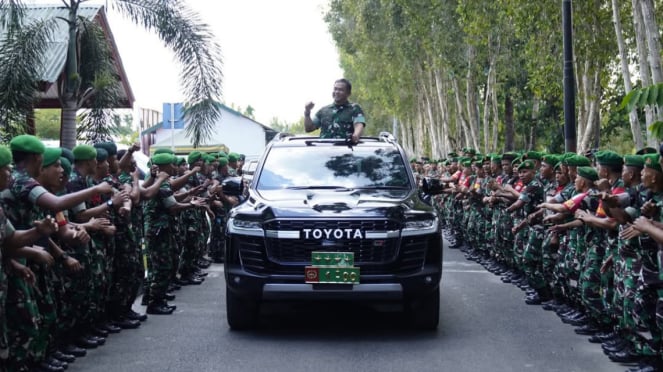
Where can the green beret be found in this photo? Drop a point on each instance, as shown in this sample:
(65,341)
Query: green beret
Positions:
(634,161)
(162,159)
(5,156)
(527,164)
(66,165)
(163,150)
(452,155)
(413,160)
(516,161)
(577,161)
(102,154)
(51,155)
(509,156)
(181,160)
(194,156)
(208,158)
(652,162)
(646,150)
(470,151)
(551,160)
(84,152)
(223,162)
(588,172)
(111,147)
(533,155)
(66,153)
(27,143)
(466,163)
(496,158)
(609,158)
(232,157)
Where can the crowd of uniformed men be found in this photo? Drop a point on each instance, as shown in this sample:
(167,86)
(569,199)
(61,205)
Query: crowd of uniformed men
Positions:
(76,227)
(581,234)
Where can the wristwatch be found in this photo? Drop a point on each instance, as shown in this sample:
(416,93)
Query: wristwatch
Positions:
(109,203)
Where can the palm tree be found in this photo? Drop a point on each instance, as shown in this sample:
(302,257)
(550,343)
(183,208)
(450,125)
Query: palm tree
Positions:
(89,79)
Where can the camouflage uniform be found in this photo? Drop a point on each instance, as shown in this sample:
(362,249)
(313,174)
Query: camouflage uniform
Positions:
(6,229)
(532,265)
(31,312)
(337,121)
(159,239)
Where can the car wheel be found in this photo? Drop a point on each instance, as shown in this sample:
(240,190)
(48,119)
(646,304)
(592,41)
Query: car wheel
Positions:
(241,313)
(424,312)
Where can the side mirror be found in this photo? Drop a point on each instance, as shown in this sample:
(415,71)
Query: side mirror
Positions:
(431,186)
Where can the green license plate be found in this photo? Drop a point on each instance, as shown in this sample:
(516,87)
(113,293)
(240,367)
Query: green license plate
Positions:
(332,275)
(344,259)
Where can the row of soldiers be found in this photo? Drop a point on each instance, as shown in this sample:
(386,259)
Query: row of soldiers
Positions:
(73,224)
(582,235)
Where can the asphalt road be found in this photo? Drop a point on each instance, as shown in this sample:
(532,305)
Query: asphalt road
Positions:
(485,326)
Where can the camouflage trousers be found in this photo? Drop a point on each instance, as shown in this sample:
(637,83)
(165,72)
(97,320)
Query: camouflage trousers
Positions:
(159,248)
(590,286)
(533,258)
(217,244)
(24,323)
(190,252)
(519,242)
(128,270)
(99,289)
(560,282)
(78,288)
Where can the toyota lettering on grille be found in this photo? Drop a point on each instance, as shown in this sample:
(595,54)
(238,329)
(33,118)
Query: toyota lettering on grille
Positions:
(332,234)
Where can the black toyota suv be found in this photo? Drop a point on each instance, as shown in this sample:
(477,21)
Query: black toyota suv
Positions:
(328,220)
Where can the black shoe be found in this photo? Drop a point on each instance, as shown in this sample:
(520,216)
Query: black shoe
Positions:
(191,281)
(621,346)
(626,356)
(57,363)
(110,327)
(169,297)
(174,287)
(135,316)
(85,343)
(125,323)
(587,330)
(159,310)
(59,355)
(534,300)
(99,340)
(74,350)
(98,331)
(581,321)
(600,338)
(46,367)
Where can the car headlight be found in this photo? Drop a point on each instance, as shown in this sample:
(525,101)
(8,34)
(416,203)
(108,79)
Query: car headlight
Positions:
(246,224)
(420,226)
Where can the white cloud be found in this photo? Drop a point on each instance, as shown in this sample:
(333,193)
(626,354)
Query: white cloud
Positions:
(277,55)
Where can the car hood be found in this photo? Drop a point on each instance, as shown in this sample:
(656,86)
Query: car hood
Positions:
(333,204)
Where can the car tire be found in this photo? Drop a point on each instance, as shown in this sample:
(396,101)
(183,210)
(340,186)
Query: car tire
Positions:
(241,313)
(424,313)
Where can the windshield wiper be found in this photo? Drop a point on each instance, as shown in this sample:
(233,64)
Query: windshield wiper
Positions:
(340,188)
(382,188)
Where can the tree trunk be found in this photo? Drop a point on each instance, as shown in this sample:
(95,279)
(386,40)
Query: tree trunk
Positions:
(531,143)
(486,108)
(68,125)
(592,102)
(645,77)
(471,99)
(508,124)
(653,40)
(30,122)
(496,117)
(636,132)
(444,111)
(464,128)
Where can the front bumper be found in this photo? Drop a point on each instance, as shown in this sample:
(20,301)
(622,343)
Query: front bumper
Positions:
(293,288)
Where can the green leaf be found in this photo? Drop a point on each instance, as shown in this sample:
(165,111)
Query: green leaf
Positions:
(656,130)
(642,100)
(630,100)
(653,94)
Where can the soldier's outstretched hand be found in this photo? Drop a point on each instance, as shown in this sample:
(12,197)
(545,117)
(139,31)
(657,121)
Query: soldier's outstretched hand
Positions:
(47,226)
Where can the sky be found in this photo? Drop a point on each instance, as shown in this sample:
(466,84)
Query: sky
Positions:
(277,55)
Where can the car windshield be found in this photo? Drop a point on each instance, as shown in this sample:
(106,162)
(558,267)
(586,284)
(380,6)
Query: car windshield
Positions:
(339,167)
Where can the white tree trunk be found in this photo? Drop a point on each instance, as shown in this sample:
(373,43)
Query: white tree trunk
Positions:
(592,101)
(470,99)
(643,61)
(626,75)
(460,117)
(68,124)
(440,89)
